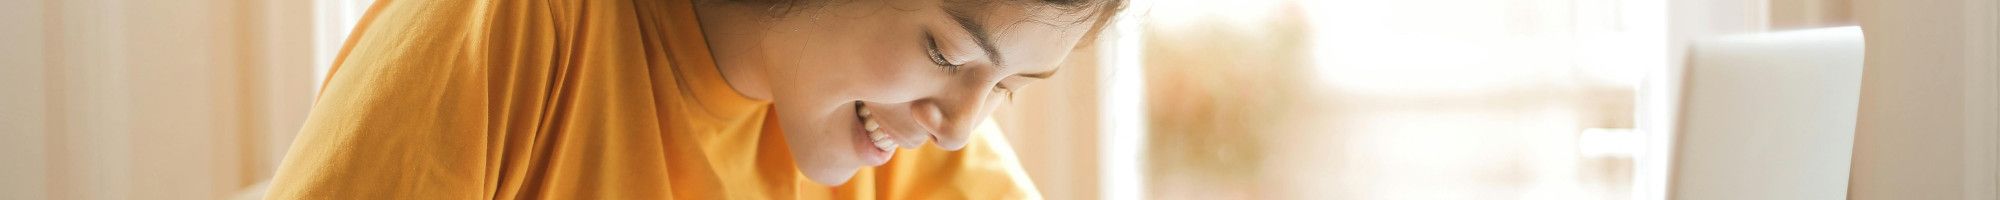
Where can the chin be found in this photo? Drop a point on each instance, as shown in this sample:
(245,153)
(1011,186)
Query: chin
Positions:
(829,177)
(824,165)
(829,148)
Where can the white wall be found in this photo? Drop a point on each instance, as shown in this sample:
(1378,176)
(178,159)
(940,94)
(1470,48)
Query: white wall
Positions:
(21,125)
(1927,120)
(141,99)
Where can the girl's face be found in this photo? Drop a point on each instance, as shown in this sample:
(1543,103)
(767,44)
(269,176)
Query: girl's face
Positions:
(855,81)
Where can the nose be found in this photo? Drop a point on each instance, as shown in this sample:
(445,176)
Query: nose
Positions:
(950,118)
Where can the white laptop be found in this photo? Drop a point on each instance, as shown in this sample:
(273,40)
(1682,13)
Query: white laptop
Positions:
(1769,116)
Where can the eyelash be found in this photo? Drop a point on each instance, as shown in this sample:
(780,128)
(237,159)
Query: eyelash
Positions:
(937,58)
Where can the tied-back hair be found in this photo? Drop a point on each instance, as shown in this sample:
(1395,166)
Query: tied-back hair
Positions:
(1100,12)
(786,7)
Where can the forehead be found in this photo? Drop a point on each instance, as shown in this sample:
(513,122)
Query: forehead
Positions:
(1032,35)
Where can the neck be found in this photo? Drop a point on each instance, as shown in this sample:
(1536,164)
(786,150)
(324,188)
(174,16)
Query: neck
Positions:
(734,33)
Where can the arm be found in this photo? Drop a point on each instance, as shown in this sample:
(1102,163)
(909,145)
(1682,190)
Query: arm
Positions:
(402,115)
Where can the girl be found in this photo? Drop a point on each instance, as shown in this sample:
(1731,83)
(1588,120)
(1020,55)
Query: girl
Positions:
(664,99)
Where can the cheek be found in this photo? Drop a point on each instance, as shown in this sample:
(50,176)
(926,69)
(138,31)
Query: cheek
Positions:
(887,72)
(896,83)
(834,69)
(860,72)
(863,58)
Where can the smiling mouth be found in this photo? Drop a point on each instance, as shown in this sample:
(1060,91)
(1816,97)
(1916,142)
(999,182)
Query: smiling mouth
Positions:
(879,138)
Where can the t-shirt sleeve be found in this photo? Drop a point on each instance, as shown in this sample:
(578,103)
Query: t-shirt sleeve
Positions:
(401,115)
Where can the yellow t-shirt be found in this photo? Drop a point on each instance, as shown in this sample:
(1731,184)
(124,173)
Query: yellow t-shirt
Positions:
(573,99)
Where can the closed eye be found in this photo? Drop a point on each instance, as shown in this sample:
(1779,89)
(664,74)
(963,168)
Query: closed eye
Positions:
(937,56)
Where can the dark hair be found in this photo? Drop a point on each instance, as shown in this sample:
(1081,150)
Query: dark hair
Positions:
(1107,10)
(784,7)
(1102,10)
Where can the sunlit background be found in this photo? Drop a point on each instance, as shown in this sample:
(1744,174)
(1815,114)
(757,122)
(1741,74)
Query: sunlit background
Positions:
(1439,99)
(1181,99)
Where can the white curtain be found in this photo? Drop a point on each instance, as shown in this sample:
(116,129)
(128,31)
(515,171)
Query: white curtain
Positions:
(139,99)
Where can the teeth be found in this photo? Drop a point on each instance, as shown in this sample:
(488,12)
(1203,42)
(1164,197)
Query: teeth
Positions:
(870,125)
(880,139)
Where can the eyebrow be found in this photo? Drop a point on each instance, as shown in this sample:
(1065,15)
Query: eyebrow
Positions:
(963,15)
(1043,75)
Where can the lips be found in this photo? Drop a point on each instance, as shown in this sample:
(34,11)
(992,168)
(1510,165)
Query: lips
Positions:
(871,141)
(876,135)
